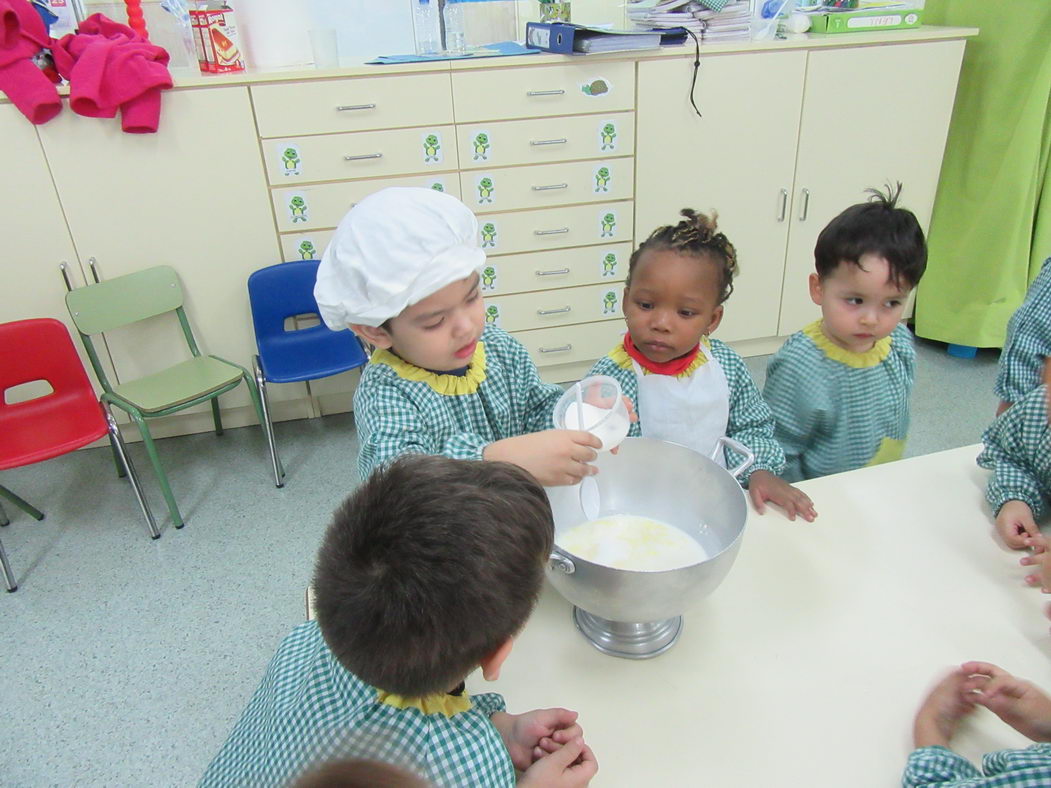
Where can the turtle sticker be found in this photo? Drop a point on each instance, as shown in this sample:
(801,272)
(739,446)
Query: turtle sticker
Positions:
(492,315)
(609,302)
(432,148)
(307,250)
(488,232)
(480,146)
(607,136)
(297,207)
(597,87)
(609,264)
(607,225)
(489,278)
(485,189)
(603,176)
(290,159)
(438,186)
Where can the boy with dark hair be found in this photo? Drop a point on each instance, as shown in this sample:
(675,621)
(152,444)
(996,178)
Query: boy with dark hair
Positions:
(426,572)
(839,389)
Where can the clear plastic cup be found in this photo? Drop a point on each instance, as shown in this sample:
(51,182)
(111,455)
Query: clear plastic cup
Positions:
(596,405)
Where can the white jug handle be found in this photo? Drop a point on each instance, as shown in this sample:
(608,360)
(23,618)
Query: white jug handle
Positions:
(738,447)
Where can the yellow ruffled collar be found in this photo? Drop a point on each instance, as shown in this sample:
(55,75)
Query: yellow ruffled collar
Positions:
(438,703)
(870,358)
(620,357)
(446,385)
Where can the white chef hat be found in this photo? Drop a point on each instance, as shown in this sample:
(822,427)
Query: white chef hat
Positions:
(392,250)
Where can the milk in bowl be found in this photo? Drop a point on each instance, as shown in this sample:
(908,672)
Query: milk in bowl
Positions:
(638,544)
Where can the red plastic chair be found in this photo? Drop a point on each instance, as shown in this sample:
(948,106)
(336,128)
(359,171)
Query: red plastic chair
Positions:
(57,423)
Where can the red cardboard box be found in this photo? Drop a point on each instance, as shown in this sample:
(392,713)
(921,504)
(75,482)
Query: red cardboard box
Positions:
(215,34)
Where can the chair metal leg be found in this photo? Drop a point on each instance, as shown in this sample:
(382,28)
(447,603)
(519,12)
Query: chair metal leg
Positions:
(3,518)
(262,404)
(9,577)
(216,416)
(121,473)
(158,469)
(121,451)
(25,506)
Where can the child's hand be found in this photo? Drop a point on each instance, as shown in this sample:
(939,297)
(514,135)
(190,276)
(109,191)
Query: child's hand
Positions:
(942,710)
(570,766)
(763,486)
(1041,559)
(1021,704)
(530,736)
(554,457)
(1015,524)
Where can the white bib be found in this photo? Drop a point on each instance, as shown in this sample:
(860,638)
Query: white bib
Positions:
(692,411)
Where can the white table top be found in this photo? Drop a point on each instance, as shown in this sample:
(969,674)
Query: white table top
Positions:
(806,666)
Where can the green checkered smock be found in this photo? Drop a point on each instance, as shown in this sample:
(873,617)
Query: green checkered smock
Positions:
(1018,451)
(938,767)
(309,709)
(836,410)
(1028,341)
(749,422)
(400,408)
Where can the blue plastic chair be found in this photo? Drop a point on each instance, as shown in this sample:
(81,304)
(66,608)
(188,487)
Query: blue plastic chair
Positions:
(277,293)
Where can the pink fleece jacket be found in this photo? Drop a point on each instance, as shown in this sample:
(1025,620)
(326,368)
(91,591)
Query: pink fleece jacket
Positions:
(22,35)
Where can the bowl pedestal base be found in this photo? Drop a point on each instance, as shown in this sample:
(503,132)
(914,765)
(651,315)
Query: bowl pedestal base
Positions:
(628,640)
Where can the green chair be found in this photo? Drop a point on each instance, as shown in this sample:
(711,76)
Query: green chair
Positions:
(128,299)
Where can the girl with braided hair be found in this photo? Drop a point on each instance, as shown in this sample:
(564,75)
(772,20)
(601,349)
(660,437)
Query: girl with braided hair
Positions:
(686,387)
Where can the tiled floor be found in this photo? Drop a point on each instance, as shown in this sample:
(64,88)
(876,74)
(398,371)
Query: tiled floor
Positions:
(126,661)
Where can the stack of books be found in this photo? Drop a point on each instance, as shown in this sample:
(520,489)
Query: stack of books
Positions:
(730,23)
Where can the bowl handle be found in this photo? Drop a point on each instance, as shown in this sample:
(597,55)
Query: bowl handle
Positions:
(738,447)
(562,563)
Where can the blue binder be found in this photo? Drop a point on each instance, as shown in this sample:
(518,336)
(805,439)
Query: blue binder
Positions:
(568,39)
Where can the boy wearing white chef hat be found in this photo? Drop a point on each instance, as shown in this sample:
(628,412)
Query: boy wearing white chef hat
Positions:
(402,271)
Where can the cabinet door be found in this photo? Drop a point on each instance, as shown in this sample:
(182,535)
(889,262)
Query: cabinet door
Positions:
(193,200)
(738,159)
(872,115)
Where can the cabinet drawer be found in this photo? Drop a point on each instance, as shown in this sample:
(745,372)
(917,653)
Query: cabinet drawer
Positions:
(555,228)
(352,104)
(555,307)
(548,140)
(536,91)
(548,184)
(584,265)
(571,344)
(305,246)
(364,154)
(323,205)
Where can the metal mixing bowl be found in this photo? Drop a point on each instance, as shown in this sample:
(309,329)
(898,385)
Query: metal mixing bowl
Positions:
(638,614)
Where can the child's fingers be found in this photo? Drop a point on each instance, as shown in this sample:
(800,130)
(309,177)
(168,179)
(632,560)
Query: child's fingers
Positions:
(582,438)
(975,668)
(757,499)
(567,734)
(587,766)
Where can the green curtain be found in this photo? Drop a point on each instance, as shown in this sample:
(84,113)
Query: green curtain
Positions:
(991,225)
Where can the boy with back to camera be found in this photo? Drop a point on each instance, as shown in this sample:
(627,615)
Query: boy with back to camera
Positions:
(840,388)
(402,271)
(426,572)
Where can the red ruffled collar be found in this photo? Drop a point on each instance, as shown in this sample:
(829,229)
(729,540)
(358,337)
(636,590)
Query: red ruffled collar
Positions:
(673,367)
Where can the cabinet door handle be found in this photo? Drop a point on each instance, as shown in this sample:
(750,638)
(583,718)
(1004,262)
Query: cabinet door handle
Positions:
(363,156)
(559,231)
(805,206)
(561,311)
(560,141)
(556,272)
(559,349)
(784,206)
(552,187)
(545,92)
(353,107)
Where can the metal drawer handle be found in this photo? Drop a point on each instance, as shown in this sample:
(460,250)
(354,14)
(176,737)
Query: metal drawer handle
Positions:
(545,92)
(552,187)
(561,311)
(352,107)
(559,349)
(556,272)
(806,205)
(363,156)
(559,231)
(561,141)
(784,206)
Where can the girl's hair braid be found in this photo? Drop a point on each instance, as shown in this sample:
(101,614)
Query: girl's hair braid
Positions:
(695,235)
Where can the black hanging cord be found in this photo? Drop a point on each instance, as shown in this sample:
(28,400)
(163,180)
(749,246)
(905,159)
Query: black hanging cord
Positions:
(696,69)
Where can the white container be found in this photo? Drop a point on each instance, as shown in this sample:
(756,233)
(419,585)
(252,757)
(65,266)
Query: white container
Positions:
(426,29)
(596,405)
